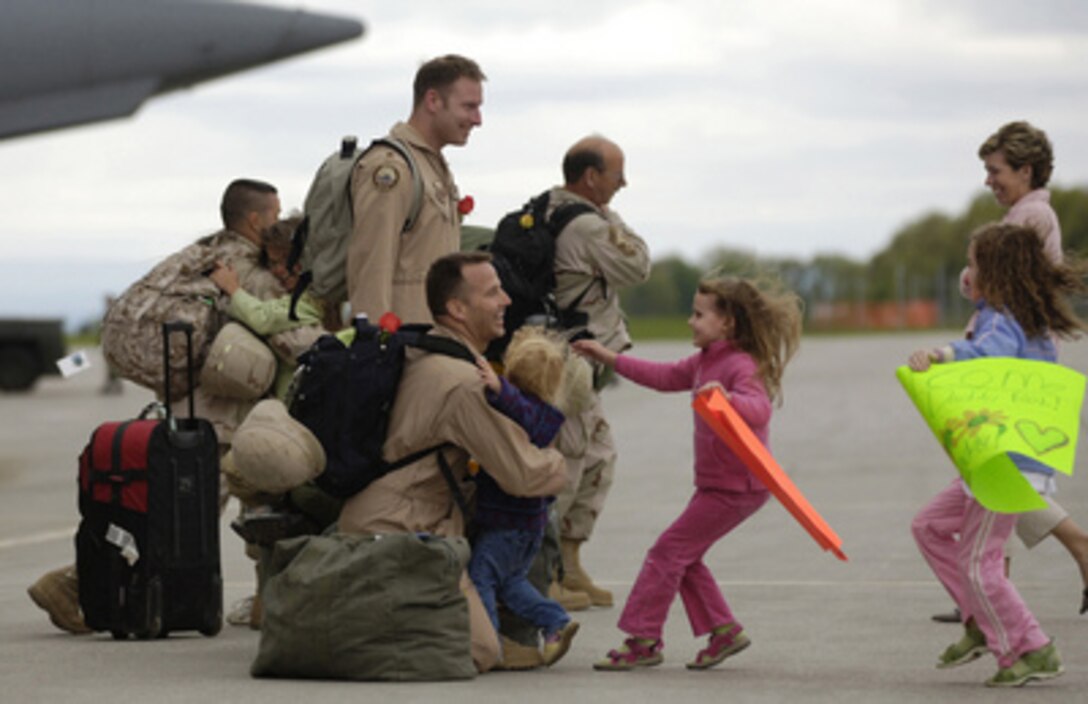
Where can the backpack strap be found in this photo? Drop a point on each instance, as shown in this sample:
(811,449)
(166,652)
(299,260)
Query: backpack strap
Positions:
(562,216)
(443,465)
(416,336)
(443,345)
(302,232)
(417,179)
(455,490)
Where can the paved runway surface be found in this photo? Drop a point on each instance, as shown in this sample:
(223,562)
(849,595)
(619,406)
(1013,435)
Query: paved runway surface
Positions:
(822,630)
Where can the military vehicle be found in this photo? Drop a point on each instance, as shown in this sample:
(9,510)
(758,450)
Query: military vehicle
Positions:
(29,348)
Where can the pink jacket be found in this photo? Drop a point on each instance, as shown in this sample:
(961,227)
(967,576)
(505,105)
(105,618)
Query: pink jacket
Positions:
(716,467)
(1033,210)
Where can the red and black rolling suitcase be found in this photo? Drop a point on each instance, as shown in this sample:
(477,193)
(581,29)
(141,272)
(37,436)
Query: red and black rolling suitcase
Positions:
(147,548)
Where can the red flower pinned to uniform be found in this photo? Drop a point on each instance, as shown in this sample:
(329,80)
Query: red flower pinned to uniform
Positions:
(389,322)
(465,205)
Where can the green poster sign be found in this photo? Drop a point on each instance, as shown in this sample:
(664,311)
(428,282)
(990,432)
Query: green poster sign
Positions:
(983,409)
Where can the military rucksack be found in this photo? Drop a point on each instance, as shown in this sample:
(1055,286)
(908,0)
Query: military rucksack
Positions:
(344,394)
(320,243)
(384,606)
(523,252)
(177,288)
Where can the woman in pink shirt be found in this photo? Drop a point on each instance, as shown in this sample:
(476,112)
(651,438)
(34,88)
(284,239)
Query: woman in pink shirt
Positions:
(745,337)
(1019,160)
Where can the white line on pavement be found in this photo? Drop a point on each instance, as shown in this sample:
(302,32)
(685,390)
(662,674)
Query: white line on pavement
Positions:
(35,538)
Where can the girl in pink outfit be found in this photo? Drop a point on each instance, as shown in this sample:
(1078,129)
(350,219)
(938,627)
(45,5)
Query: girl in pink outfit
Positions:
(1020,294)
(1019,160)
(745,337)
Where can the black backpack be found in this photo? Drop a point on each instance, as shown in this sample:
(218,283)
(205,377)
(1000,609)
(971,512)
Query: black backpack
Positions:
(344,395)
(523,253)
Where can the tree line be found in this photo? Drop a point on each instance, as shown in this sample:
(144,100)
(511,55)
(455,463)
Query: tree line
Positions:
(920,265)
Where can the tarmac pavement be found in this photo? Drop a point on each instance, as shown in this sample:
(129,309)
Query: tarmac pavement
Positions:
(822,630)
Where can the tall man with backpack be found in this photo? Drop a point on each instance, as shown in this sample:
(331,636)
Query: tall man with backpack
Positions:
(406,207)
(440,398)
(596,254)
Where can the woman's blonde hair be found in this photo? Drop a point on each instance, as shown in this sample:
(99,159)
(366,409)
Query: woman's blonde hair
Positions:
(766,322)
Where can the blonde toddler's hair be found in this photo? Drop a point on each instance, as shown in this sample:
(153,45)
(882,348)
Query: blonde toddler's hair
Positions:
(541,362)
(534,362)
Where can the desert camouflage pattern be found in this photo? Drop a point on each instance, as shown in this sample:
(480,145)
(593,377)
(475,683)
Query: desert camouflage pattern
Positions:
(178,289)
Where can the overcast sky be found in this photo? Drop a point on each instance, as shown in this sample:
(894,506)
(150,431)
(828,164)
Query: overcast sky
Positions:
(779,126)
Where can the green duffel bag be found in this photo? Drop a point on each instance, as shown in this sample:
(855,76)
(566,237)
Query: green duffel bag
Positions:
(365,607)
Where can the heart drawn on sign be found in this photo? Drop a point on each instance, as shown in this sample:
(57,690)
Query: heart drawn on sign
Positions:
(1042,440)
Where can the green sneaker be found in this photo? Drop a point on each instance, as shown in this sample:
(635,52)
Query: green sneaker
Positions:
(1042,664)
(968,648)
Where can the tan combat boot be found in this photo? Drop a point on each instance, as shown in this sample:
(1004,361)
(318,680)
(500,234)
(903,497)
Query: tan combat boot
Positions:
(569,599)
(575,577)
(57,593)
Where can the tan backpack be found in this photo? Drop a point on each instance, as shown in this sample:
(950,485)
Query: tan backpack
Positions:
(178,288)
(239,365)
(274,453)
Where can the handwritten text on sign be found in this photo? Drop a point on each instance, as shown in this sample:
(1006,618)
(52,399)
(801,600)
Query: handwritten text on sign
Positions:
(986,412)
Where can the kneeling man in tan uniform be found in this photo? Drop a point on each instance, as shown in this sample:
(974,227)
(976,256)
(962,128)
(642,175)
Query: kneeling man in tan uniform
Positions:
(441,399)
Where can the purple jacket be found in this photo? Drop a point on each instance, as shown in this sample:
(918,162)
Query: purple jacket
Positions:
(494,507)
(716,467)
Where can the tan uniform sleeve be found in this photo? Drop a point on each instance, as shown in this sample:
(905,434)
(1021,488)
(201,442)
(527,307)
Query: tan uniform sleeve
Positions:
(379,215)
(623,258)
(503,447)
(262,285)
(610,249)
(255,279)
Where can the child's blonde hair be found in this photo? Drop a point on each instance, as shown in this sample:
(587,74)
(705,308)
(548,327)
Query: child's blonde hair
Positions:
(540,362)
(1016,275)
(766,322)
(534,362)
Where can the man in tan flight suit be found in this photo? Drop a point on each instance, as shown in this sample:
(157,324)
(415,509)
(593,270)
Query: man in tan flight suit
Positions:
(596,255)
(442,399)
(386,264)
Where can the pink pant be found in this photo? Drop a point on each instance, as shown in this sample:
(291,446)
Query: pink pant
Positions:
(964,546)
(675,564)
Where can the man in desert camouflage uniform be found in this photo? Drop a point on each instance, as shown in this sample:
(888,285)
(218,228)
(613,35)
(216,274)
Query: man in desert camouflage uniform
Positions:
(596,255)
(247,208)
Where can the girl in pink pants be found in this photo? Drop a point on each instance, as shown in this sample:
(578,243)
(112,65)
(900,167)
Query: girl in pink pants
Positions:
(1019,294)
(745,337)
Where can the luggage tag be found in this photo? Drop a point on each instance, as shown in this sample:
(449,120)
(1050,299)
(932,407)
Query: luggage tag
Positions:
(125,542)
(74,364)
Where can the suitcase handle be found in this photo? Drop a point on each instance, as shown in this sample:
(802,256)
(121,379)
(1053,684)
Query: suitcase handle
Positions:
(187,328)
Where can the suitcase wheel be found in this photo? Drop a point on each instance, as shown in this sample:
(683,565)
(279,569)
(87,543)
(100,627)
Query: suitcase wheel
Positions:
(119,635)
(214,620)
(154,612)
(214,623)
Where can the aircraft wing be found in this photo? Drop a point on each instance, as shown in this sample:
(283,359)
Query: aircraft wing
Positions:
(74,106)
(69,62)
